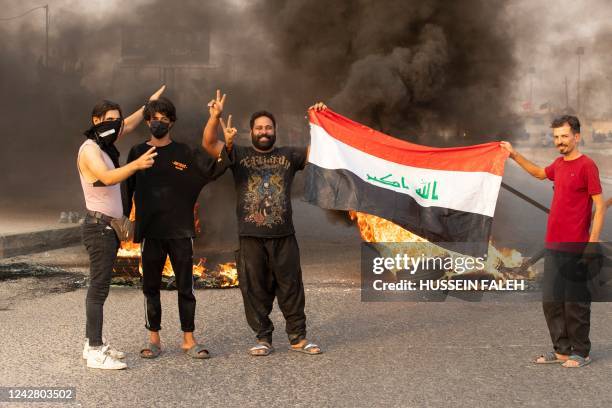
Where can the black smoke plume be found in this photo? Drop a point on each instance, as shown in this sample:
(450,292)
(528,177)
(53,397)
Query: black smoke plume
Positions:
(426,70)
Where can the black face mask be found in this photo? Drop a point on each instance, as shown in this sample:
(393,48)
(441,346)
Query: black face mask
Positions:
(159,129)
(106,133)
(263,145)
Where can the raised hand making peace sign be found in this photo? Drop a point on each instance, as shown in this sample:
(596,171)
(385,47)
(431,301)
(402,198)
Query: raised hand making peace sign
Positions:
(228,131)
(215,106)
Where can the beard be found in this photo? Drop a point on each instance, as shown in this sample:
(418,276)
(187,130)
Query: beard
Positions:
(563,149)
(263,142)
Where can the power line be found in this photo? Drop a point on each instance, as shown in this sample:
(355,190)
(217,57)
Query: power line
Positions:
(46,8)
(21,15)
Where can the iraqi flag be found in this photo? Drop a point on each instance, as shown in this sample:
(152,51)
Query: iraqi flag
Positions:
(444,195)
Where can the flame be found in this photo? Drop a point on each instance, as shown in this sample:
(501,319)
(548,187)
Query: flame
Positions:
(129,249)
(376,229)
(198,269)
(511,258)
(196,217)
(228,274)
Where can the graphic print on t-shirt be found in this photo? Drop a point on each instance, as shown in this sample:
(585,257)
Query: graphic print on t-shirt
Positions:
(265,204)
(263,186)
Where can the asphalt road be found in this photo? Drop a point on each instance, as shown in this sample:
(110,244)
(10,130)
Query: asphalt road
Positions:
(376,354)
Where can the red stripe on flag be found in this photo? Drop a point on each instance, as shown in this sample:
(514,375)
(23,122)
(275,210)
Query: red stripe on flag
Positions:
(487,157)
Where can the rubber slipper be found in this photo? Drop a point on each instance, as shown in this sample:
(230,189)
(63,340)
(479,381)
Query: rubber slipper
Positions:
(266,347)
(582,361)
(153,351)
(549,358)
(198,352)
(307,349)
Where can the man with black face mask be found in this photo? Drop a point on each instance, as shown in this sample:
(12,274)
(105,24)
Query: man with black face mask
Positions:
(268,259)
(100,174)
(165,196)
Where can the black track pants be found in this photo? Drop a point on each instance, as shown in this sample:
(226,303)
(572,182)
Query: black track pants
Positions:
(154,252)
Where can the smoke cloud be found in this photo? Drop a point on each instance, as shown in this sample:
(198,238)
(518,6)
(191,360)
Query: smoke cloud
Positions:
(430,71)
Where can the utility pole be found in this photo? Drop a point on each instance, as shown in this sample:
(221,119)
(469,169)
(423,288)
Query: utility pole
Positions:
(566,95)
(531,73)
(47,35)
(579,53)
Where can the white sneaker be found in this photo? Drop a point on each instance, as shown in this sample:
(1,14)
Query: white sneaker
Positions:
(116,354)
(100,358)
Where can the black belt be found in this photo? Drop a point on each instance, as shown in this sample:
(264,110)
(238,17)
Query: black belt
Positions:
(98,217)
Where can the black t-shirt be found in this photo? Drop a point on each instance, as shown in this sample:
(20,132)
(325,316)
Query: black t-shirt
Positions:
(263,185)
(166,193)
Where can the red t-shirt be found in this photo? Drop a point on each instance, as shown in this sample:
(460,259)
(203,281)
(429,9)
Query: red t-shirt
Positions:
(575,181)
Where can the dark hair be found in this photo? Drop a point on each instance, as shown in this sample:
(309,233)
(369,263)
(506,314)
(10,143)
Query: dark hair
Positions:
(259,114)
(161,105)
(572,121)
(104,106)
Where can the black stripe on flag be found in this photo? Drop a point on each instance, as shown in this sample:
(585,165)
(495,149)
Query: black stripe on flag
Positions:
(342,190)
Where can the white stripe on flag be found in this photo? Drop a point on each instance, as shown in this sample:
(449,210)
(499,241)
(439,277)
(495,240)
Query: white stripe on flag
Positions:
(468,191)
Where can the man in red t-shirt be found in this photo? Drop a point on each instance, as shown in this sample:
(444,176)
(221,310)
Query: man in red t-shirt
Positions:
(576,189)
